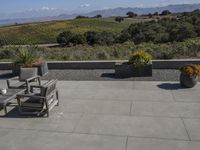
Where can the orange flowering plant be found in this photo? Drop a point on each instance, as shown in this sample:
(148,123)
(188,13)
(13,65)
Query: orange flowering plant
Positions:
(191,70)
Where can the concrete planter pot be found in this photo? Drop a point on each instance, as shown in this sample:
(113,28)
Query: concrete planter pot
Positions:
(188,82)
(128,70)
(42,69)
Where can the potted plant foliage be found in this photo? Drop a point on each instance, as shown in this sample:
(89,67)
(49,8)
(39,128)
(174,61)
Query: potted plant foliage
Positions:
(189,75)
(27,58)
(139,65)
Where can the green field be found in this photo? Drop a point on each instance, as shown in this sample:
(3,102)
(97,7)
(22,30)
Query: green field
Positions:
(46,32)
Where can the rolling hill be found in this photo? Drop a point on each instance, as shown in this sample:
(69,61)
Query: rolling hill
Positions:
(44,15)
(46,32)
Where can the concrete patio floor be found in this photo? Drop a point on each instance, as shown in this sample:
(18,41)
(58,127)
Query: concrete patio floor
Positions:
(110,115)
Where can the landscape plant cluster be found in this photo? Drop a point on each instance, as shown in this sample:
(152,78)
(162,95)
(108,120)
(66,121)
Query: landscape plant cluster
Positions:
(169,29)
(171,36)
(189,48)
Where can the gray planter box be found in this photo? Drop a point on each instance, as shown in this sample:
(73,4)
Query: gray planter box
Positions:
(42,69)
(128,70)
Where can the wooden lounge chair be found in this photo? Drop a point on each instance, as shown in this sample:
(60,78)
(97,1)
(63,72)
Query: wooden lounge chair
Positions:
(39,103)
(24,80)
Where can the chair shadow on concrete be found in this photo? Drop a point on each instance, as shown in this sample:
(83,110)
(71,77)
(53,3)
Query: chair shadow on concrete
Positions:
(170,86)
(14,113)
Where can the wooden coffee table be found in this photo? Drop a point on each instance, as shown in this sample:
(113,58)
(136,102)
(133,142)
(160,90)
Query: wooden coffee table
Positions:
(9,97)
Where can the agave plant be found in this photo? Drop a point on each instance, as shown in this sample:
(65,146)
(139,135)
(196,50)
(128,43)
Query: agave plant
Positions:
(25,57)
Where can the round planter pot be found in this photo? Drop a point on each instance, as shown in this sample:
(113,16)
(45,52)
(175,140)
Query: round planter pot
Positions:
(188,82)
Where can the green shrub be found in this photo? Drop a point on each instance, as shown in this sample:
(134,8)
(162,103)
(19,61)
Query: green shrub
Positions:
(1,43)
(140,58)
(100,38)
(65,38)
(119,19)
(78,39)
(68,38)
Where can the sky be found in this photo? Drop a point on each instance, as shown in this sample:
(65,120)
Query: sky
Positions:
(12,6)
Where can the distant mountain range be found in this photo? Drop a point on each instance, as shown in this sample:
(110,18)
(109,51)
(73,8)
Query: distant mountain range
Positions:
(53,14)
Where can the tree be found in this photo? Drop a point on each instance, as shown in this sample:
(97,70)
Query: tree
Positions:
(100,38)
(98,16)
(182,31)
(150,15)
(65,38)
(131,14)
(91,37)
(119,19)
(1,43)
(156,14)
(106,38)
(81,17)
(78,39)
(165,12)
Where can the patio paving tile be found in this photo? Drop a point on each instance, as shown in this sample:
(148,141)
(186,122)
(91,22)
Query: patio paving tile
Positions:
(102,115)
(55,123)
(159,144)
(193,128)
(33,140)
(99,107)
(170,128)
(190,95)
(166,109)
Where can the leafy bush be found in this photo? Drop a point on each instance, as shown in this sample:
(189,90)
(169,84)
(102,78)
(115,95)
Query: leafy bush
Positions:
(65,38)
(163,31)
(68,38)
(131,14)
(119,19)
(100,38)
(91,37)
(78,39)
(140,58)
(1,43)
(81,17)
(165,12)
(98,16)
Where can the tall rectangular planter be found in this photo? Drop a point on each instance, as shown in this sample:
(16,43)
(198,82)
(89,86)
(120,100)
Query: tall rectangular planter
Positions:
(128,70)
(42,69)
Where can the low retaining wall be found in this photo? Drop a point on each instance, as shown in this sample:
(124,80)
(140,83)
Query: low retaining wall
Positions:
(174,63)
(81,64)
(6,66)
(156,64)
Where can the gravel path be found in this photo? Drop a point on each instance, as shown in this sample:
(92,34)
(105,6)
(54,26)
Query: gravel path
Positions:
(102,75)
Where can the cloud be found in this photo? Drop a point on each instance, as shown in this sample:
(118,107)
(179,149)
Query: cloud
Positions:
(85,5)
(47,8)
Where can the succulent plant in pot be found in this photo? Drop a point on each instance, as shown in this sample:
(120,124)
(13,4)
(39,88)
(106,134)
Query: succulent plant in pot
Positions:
(27,58)
(189,75)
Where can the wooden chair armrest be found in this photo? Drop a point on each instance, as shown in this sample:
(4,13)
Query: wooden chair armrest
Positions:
(8,81)
(33,78)
(29,96)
